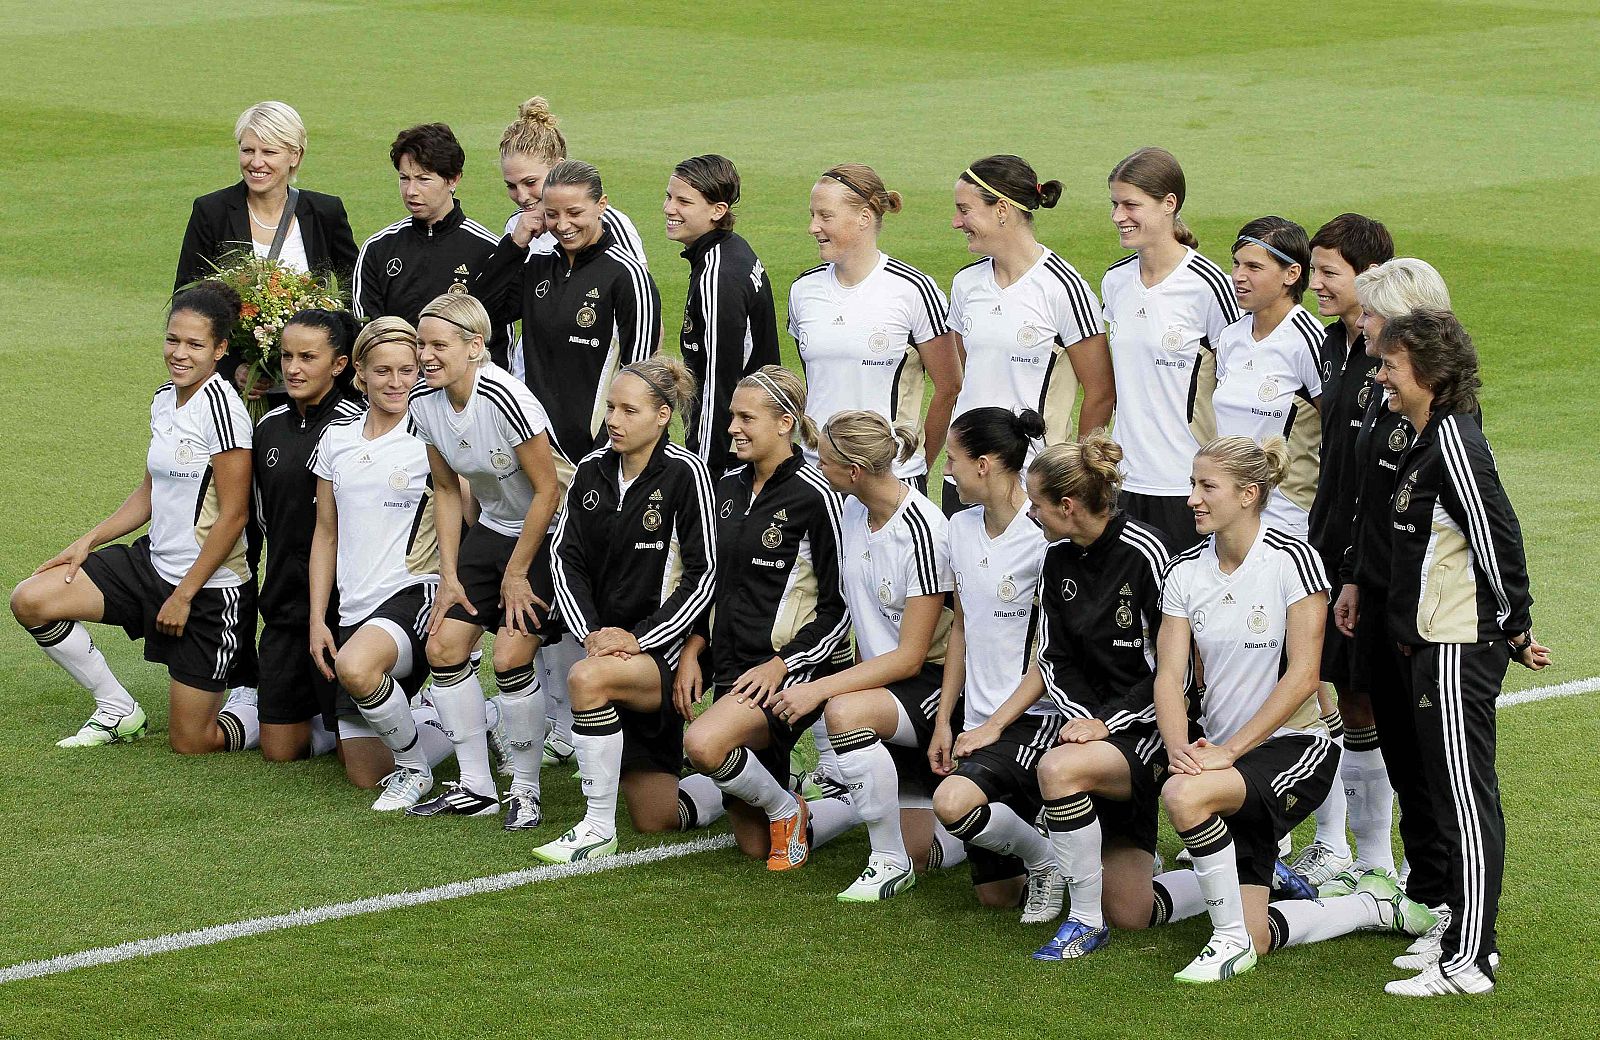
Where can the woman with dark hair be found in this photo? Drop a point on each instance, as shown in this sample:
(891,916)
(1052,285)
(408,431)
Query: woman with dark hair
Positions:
(292,695)
(1165,308)
(437,249)
(180,586)
(588,307)
(1269,373)
(989,796)
(635,566)
(255,214)
(729,327)
(1459,609)
(1027,325)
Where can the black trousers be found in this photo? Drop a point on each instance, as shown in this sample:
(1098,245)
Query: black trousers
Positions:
(1454,686)
(1379,671)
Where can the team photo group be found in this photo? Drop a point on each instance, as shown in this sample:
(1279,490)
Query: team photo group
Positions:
(1194,549)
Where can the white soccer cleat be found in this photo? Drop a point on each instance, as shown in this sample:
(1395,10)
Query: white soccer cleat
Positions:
(1319,864)
(103,728)
(1221,959)
(1047,891)
(880,880)
(1434,983)
(402,789)
(556,752)
(1428,941)
(580,843)
(522,810)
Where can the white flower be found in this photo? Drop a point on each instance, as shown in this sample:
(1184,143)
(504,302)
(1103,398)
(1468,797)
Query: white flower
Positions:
(262,334)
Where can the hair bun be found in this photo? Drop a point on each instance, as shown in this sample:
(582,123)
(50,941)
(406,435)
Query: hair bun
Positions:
(536,110)
(1030,424)
(1050,194)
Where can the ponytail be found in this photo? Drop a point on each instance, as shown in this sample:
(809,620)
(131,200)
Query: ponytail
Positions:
(1248,463)
(1085,471)
(668,379)
(1000,433)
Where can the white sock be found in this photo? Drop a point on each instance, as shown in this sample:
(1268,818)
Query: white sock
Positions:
(388,712)
(996,826)
(597,738)
(948,850)
(1075,836)
(67,643)
(240,720)
(868,770)
(1217,869)
(462,713)
(699,802)
(827,757)
(554,664)
(1296,922)
(1178,897)
(1366,784)
(746,779)
(323,741)
(830,817)
(1331,814)
(433,743)
(522,705)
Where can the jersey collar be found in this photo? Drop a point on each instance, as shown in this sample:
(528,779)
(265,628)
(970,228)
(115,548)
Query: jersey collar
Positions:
(447,223)
(702,245)
(589,253)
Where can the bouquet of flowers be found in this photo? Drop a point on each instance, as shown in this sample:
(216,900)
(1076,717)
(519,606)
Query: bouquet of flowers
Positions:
(270,293)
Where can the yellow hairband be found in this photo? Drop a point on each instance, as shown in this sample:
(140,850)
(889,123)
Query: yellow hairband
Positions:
(995,192)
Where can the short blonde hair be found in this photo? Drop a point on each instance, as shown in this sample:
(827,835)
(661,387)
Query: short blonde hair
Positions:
(1400,286)
(466,314)
(275,123)
(379,332)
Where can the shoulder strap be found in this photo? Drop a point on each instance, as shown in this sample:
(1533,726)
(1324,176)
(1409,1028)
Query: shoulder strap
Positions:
(283,223)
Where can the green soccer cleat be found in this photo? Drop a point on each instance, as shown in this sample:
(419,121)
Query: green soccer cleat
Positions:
(580,843)
(880,880)
(103,728)
(1396,910)
(1221,959)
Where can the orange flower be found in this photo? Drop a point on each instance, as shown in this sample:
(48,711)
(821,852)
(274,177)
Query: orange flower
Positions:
(249,310)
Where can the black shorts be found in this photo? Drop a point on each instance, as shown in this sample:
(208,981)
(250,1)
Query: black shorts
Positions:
(781,736)
(1375,661)
(919,696)
(1285,779)
(1336,649)
(1134,822)
(134,593)
(652,741)
(409,610)
(1169,514)
(292,689)
(1007,771)
(481,567)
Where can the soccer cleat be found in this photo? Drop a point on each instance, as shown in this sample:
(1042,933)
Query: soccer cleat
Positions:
(1428,942)
(556,752)
(522,810)
(1343,884)
(402,789)
(1286,884)
(1434,983)
(1047,890)
(1397,912)
(1319,864)
(457,801)
(880,880)
(580,843)
(1221,959)
(1073,939)
(790,845)
(1428,958)
(815,786)
(103,728)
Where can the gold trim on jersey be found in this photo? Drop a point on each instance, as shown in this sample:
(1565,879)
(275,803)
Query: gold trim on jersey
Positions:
(206,518)
(1202,385)
(1447,609)
(798,606)
(422,552)
(941,637)
(1305,455)
(908,390)
(1058,397)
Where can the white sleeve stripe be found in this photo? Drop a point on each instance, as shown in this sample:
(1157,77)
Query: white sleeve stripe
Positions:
(573,618)
(1068,706)
(1153,551)
(709,302)
(361,258)
(640,278)
(619,231)
(1460,469)
(482,232)
(831,642)
(674,626)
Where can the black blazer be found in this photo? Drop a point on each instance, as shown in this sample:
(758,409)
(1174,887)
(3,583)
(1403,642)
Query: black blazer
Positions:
(220,222)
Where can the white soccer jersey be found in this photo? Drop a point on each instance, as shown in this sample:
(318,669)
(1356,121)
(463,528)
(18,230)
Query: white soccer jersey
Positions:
(997,581)
(480,441)
(1159,336)
(1266,389)
(183,495)
(858,344)
(384,493)
(1017,339)
(908,557)
(622,229)
(1238,621)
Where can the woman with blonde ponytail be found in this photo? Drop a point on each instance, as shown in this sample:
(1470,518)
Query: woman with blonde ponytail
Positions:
(896,574)
(635,567)
(778,620)
(1165,307)
(1253,601)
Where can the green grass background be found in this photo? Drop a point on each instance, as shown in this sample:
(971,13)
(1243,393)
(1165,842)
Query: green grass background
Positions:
(1469,128)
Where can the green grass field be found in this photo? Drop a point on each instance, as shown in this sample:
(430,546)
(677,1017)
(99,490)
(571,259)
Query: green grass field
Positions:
(1469,128)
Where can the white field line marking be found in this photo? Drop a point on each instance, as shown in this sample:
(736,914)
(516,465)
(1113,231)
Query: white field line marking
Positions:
(334,911)
(477,886)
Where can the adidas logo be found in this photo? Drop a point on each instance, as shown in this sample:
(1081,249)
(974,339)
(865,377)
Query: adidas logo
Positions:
(1290,801)
(781,515)
(1126,590)
(839,320)
(1424,702)
(1414,475)
(463,444)
(365,457)
(1140,313)
(655,496)
(592,294)
(1250,365)
(1227,599)
(462,271)
(984,562)
(996,309)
